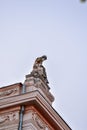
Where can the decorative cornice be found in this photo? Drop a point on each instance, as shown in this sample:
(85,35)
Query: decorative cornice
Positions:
(35,98)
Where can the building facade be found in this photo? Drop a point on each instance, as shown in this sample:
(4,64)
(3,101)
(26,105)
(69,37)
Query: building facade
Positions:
(28,106)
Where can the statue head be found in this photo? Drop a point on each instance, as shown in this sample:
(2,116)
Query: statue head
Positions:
(44,57)
(41,59)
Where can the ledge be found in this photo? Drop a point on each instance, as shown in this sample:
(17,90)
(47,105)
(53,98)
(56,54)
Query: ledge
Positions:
(37,100)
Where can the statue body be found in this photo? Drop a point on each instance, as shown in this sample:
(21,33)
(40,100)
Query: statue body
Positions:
(39,69)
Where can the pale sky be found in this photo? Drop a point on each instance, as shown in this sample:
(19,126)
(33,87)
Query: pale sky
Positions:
(58,29)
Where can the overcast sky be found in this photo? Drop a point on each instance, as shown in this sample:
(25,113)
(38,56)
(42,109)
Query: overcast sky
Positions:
(58,29)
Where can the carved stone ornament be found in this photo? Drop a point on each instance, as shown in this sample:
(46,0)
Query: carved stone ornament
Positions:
(10,117)
(39,69)
(39,122)
(8,92)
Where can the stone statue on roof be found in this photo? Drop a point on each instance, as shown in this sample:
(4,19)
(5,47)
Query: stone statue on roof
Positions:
(39,69)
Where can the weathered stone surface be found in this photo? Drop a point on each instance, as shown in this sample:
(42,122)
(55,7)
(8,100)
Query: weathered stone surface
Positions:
(38,113)
(39,70)
(9,119)
(35,99)
(33,84)
(11,90)
(32,116)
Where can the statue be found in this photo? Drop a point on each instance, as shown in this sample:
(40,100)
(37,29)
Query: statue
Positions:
(39,69)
